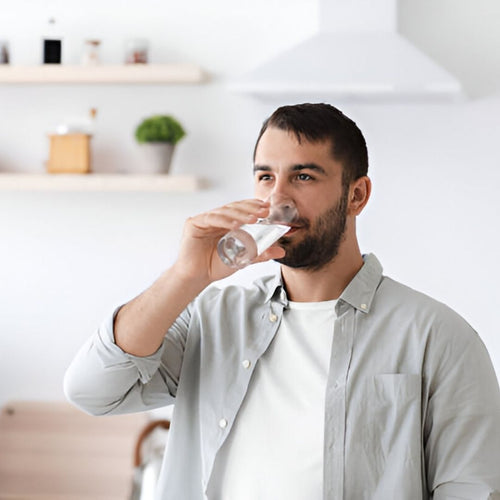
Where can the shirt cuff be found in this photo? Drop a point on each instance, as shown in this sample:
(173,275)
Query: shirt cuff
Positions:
(112,356)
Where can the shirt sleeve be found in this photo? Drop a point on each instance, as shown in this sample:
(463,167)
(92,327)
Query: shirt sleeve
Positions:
(462,421)
(103,379)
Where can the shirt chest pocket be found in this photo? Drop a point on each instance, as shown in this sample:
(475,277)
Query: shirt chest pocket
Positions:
(384,440)
(395,410)
(395,389)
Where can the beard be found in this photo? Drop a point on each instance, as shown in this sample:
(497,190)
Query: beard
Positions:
(322,242)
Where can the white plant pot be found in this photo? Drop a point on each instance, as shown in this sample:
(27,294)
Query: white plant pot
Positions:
(156,158)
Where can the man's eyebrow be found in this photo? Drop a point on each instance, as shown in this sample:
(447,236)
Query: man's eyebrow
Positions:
(265,168)
(309,166)
(294,168)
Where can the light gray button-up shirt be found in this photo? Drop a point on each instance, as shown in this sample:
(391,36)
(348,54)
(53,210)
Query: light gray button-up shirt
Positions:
(412,401)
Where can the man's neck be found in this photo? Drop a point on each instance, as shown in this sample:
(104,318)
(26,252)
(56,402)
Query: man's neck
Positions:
(327,283)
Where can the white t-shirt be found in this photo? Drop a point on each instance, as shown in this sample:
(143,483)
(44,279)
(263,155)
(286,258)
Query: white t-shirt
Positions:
(275,448)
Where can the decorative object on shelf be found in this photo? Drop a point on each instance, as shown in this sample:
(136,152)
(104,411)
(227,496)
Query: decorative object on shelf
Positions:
(4,52)
(136,51)
(70,147)
(69,154)
(90,56)
(52,45)
(157,136)
(79,124)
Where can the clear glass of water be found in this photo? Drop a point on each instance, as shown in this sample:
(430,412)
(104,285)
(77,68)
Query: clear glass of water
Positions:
(241,246)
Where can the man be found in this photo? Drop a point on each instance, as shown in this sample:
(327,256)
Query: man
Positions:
(328,380)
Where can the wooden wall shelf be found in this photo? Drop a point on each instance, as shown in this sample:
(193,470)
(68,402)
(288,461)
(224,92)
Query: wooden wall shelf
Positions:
(179,73)
(100,182)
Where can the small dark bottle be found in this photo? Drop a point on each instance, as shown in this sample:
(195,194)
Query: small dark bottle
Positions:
(52,46)
(4,52)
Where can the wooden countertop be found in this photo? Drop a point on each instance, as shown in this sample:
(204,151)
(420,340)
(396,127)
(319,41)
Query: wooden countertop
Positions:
(53,451)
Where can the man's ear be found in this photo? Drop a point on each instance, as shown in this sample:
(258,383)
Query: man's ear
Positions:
(359,194)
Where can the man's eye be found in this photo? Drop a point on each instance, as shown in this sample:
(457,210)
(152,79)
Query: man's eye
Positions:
(304,177)
(264,177)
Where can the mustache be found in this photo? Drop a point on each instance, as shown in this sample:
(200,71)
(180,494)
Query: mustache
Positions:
(302,222)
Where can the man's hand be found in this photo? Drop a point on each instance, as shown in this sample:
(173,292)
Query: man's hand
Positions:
(141,324)
(198,258)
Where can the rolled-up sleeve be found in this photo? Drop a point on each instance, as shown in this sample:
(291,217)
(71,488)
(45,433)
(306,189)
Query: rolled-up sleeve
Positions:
(103,379)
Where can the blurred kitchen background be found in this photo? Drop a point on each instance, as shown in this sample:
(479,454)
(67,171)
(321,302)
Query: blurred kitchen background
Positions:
(68,258)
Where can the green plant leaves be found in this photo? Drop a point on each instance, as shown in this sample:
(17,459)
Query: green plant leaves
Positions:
(160,128)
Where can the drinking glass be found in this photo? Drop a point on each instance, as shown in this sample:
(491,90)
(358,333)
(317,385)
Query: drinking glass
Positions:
(241,246)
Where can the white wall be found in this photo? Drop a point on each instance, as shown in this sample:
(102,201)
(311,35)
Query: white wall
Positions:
(67,259)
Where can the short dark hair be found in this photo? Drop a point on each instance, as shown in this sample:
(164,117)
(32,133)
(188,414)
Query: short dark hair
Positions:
(320,122)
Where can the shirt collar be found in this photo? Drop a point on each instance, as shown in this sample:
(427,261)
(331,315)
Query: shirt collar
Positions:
(358,293)
(273,287)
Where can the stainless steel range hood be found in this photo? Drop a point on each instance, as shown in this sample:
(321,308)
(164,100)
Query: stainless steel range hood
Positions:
(358,55)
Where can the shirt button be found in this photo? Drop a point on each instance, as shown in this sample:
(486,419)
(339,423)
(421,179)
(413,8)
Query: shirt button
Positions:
(246,363)
(273,318)
(222,423)
(363,306)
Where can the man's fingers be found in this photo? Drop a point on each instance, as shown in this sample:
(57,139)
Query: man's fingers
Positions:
(231,215)
(274,252)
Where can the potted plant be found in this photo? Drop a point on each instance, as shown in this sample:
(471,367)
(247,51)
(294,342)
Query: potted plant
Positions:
(157,136)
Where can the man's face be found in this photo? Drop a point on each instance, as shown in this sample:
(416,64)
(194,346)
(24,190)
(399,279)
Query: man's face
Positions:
(307,173)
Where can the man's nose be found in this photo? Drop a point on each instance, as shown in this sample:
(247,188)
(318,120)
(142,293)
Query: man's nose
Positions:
(281,188)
